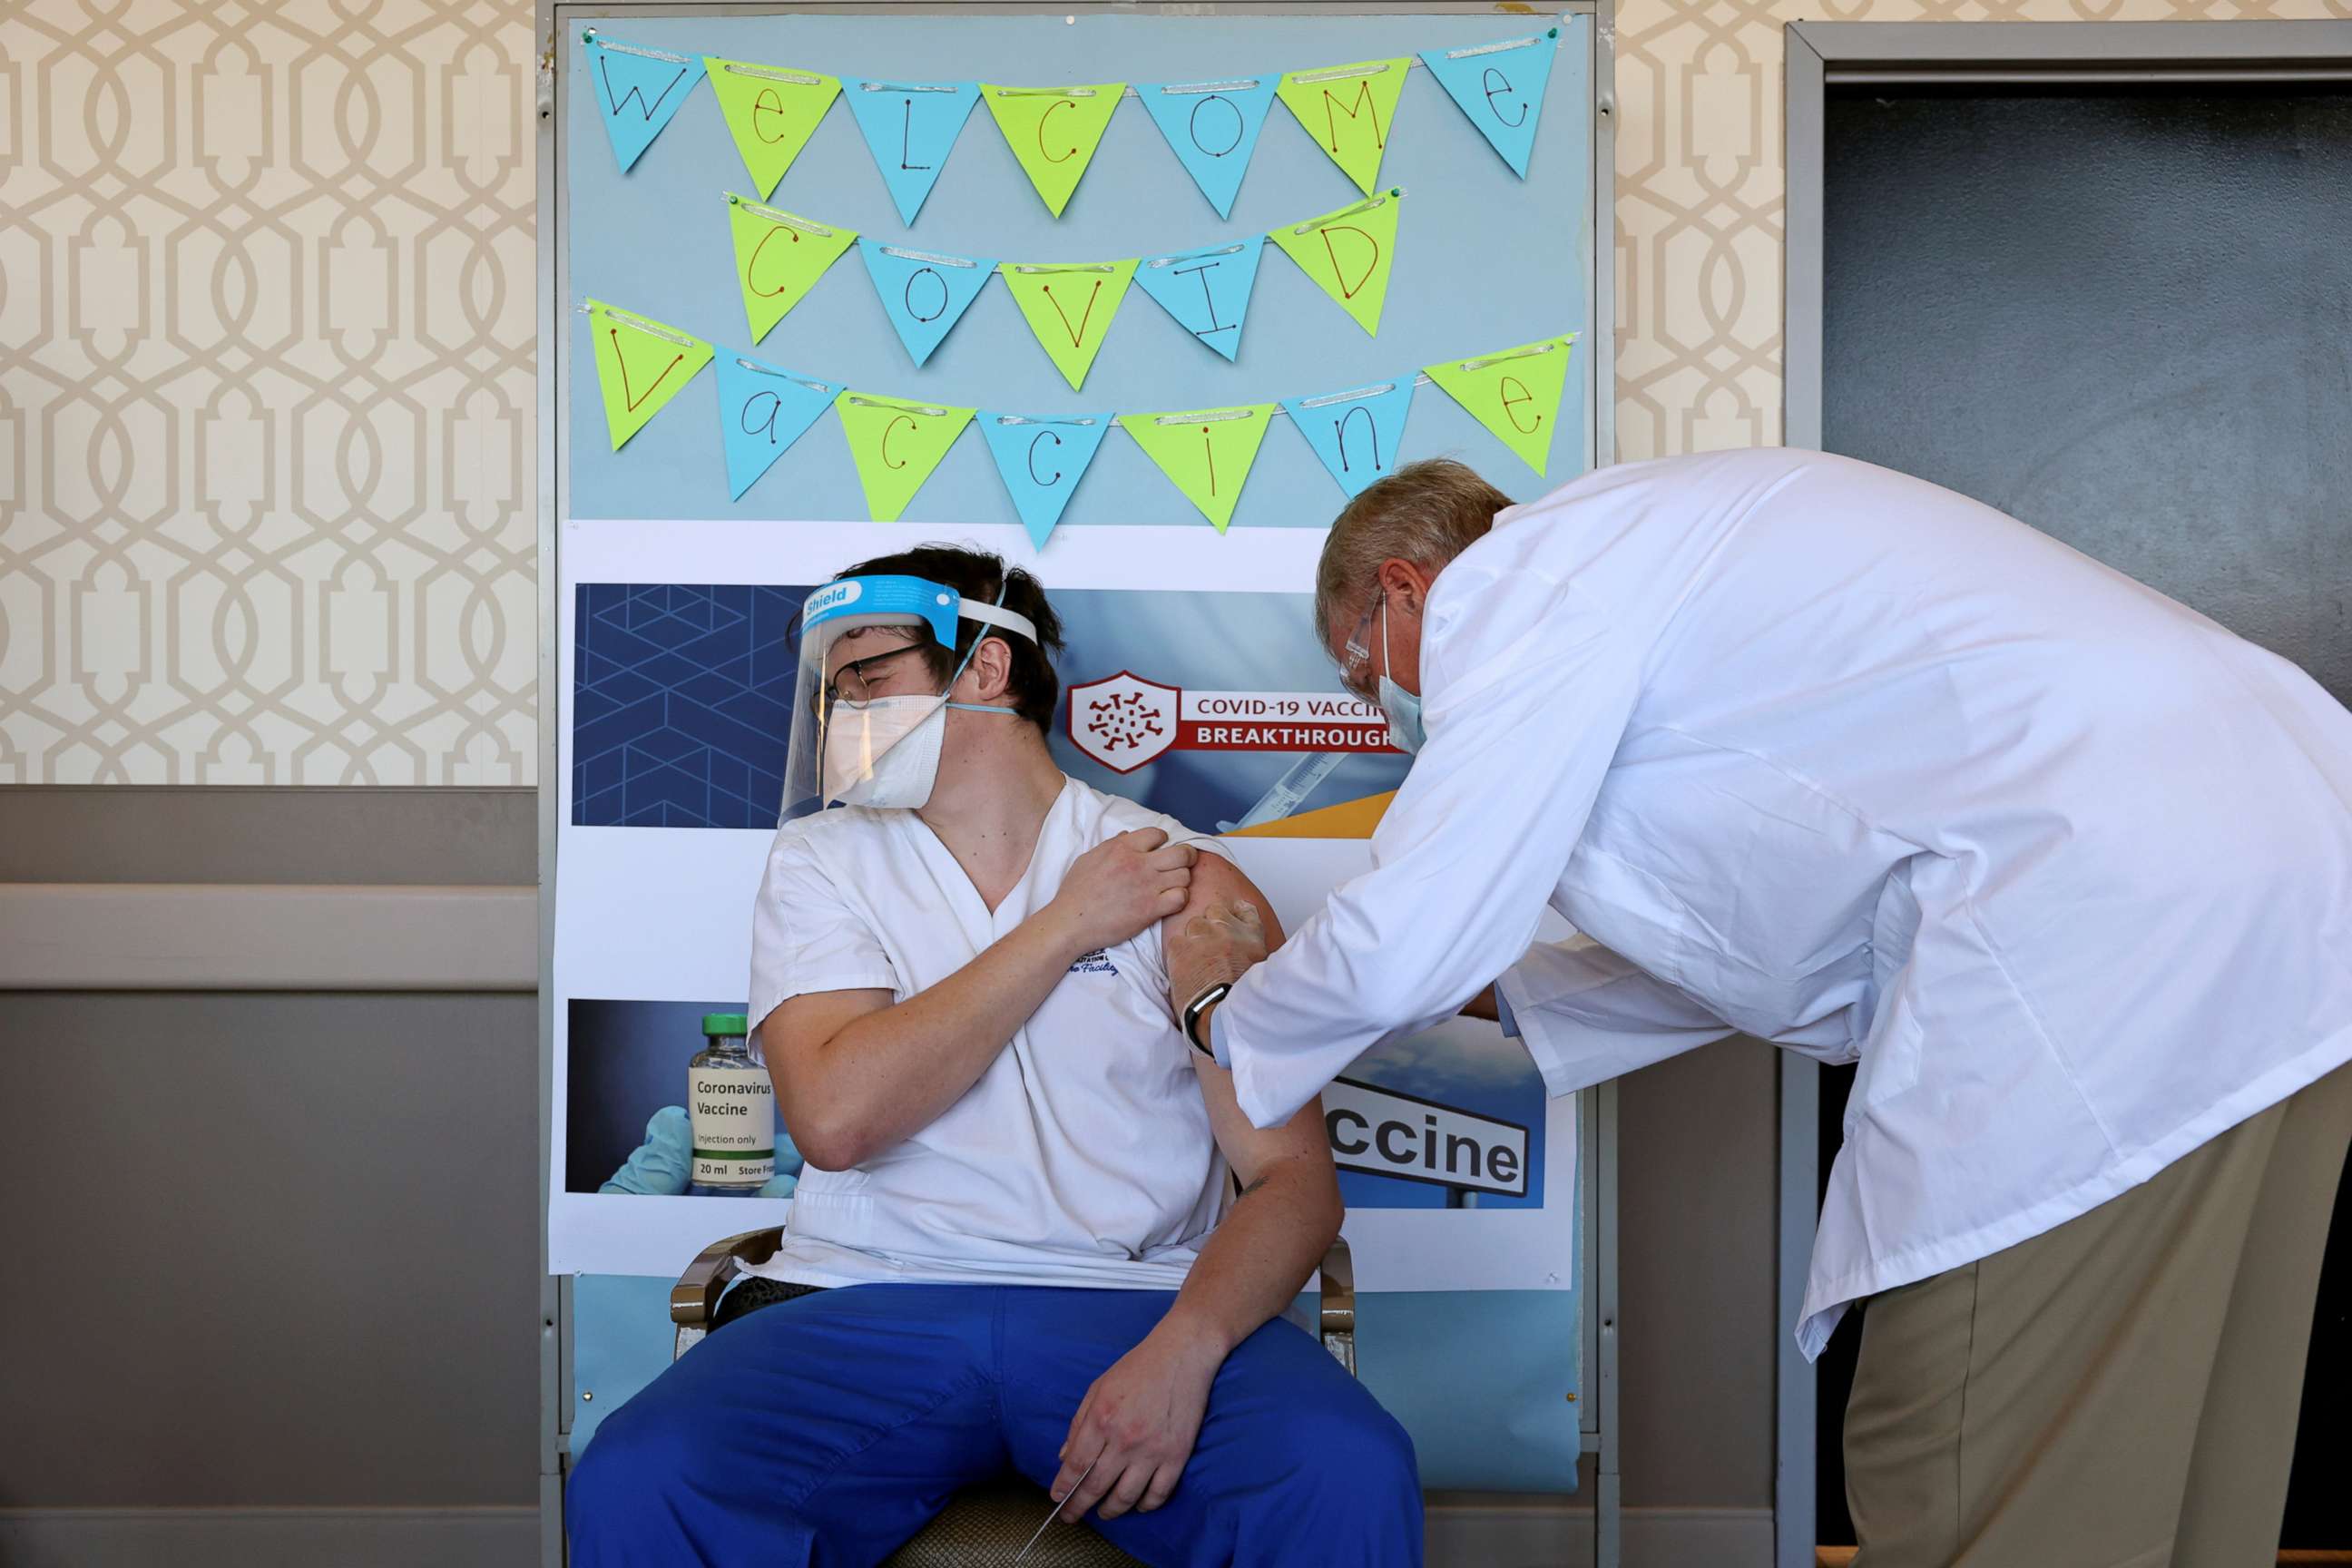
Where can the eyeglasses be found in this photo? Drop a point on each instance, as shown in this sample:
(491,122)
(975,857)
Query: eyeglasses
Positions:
(1356,654)
(854,682)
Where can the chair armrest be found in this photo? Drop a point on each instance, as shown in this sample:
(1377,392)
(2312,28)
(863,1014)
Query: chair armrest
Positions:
(695,1297)
(1338,1325)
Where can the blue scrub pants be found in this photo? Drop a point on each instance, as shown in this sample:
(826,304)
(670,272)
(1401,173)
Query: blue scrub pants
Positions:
(826,1431)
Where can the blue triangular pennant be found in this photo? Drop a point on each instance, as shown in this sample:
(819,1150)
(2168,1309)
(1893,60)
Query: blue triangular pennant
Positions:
(1042,457)
(762,410)
(923,293)
(1207,291)
(1501,88)
(1213,128)
(910,127)
(639,90)
(1355,432)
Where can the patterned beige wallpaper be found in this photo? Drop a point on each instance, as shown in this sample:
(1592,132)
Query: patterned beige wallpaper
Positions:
(265,392)
(265,433)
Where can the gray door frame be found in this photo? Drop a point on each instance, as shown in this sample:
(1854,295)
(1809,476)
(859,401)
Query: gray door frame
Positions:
(1821,55)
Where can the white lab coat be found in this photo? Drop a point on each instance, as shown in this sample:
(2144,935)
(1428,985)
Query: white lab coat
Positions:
(1841,759)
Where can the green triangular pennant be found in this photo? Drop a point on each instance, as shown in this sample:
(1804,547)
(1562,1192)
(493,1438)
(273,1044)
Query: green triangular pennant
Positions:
(773,111)
(1349,252)
(779,258)
(896,446)
(1053,130)
(1515,393)
(640,365)
(1349,111)
(1069,307)
(1207,451)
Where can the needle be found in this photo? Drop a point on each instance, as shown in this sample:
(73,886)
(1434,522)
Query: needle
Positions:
(1058,1506)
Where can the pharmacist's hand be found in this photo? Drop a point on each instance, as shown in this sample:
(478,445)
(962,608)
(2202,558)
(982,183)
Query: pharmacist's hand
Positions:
(1220,944)
(1121,886)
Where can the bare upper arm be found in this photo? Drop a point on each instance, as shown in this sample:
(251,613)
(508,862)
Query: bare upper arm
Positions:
(798,1027)
(1217,878)
(1248,1150)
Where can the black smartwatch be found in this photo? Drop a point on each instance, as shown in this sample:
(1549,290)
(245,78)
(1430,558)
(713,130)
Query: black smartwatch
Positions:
(1209,997)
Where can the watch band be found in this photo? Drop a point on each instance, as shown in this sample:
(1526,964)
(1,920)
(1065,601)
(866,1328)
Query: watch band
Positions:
(1209,997)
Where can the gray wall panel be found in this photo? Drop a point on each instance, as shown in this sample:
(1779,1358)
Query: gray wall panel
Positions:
(170,833)
(1696,1137)
(284,1249)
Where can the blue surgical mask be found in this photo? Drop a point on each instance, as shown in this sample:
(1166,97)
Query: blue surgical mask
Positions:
(1402,707)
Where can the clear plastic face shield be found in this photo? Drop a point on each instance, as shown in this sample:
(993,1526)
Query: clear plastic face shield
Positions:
(869,715)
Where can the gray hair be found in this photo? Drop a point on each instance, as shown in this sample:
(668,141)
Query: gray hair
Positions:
(1426,512)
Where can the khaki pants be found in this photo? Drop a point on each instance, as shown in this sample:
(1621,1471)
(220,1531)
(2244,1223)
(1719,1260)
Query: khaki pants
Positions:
(2120,1391)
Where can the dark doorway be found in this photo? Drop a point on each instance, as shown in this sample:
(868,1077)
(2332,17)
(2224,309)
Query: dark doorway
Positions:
(2124,316)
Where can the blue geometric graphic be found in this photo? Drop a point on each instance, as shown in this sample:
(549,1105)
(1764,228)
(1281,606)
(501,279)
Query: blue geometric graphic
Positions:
(681,705)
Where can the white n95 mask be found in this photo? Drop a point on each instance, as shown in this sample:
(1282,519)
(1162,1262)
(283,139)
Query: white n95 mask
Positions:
(887,752)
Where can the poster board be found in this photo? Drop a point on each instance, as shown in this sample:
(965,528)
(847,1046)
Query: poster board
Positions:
(649,868)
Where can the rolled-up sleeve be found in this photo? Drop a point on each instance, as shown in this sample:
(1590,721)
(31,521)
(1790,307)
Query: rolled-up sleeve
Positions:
(1527,690)
(1585,1015)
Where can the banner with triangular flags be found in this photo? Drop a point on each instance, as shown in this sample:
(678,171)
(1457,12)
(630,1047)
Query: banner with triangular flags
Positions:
(779,257)
(640,365)
(910,128)
(924,292)
(1206,451)
(1207,291)
(1211,126)
(1052,132)
(772,111)
(1349,253)
(1042,457)
(639,90)
(1069,307)
(1355,432)
(1501,88)
(895,444)
(762,410)
(1350,110)
(1513,391)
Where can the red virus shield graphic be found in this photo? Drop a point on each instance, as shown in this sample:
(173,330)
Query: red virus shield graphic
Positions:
(1125,721)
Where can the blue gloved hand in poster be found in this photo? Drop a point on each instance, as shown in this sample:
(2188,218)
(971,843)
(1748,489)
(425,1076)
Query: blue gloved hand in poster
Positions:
(660,1165)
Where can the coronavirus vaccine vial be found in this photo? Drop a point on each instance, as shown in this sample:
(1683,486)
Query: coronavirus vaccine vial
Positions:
(732,1107)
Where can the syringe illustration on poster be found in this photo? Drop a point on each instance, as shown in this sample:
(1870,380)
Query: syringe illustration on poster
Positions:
(1219,708)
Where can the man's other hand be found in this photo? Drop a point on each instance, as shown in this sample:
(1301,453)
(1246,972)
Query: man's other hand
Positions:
(1121,886)
(1219,944)
(1136,1426)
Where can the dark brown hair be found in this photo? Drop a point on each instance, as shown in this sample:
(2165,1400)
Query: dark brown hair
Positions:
(1034,689)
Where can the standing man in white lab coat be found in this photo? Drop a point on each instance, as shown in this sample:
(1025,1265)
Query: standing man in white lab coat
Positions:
(1810,750)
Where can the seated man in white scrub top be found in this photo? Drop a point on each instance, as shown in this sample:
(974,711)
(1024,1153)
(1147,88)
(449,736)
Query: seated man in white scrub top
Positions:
(1016,1216)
